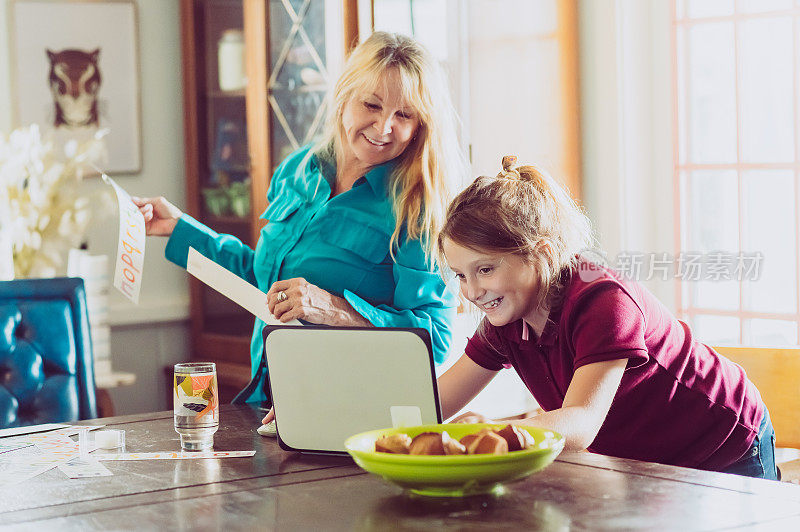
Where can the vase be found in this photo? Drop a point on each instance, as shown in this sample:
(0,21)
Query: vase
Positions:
(230,61)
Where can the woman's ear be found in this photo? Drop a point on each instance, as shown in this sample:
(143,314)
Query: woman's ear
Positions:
(419,133)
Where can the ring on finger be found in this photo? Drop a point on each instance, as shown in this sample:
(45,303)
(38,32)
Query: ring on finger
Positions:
(282,296)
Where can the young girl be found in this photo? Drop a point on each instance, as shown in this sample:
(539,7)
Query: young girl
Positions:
(615,372)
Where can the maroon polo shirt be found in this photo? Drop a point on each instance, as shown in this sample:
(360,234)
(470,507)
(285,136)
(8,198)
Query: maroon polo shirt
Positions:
(679,402)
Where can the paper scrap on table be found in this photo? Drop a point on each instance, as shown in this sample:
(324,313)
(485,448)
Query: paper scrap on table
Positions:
(86,467)
(71,430)
(12,444)
(28,429)
(37,434)
(24,470)
(47,450)
(57,444)
(56,452)
(232,286)
(130,246)
(172,455)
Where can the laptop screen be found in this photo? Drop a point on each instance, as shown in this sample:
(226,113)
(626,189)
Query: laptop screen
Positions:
(328,383)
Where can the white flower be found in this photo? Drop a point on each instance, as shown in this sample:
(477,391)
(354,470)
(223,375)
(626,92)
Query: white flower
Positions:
(71,148)
(40,202)
(34,240)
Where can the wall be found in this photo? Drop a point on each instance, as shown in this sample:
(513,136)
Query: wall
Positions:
(516,98)
(626,122)
(147,337)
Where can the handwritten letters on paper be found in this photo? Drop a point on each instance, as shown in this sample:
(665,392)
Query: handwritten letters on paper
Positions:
(130,247)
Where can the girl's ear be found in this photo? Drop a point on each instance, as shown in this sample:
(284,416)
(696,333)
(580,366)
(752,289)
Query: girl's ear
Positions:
(543,248)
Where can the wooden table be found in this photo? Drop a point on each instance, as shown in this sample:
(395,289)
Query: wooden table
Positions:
(290,491)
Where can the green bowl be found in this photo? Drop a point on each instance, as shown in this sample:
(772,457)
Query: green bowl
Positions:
(454,475)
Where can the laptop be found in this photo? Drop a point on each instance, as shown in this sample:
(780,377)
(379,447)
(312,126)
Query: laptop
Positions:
(328,383)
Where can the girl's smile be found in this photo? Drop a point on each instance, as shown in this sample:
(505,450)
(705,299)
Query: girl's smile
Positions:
(491,305)
(504,286)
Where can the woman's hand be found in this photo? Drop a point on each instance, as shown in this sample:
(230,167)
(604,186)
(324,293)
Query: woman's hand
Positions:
(472,417)
(160,216)
(305,301)
(269,417)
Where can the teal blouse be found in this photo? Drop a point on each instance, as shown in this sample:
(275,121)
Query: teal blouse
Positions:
(340,244)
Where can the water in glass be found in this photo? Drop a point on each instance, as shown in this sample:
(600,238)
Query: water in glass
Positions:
(196,404)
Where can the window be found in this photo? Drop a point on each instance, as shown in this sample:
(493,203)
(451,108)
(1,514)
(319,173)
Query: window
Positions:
(737,166)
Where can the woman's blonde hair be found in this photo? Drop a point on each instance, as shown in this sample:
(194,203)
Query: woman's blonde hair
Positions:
(525,212)
(424,178)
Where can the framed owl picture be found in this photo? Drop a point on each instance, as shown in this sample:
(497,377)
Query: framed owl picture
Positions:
(75,70)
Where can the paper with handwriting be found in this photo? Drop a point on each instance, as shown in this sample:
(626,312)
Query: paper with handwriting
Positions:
(130,246)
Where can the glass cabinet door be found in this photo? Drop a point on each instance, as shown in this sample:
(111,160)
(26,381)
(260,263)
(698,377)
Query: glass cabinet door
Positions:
(226,173)
(255,77)
(305,57)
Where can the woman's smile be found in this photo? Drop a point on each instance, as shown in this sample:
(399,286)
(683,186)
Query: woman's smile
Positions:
(378,125)
(375,142)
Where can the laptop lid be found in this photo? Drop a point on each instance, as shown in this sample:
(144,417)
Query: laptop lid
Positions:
(328,383)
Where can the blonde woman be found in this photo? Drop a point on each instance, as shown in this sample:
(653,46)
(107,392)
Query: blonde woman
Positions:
(353,219)
(614,371)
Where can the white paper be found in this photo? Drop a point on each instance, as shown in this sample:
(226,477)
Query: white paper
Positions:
(15,473)
(232,286)
(167,455)
(16,431)
(12,444)
(43,451)
(130,247)
(84,467)
(53,450)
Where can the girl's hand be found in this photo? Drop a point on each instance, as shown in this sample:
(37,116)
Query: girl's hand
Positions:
(269,417)
(160,216)
(296,298)
(472,417)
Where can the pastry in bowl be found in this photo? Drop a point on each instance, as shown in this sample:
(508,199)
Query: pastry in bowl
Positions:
(485,441)
(456,475)
(395,443)
(435,443)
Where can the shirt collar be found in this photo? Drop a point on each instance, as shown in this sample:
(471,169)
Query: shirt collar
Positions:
(524,332)
(326,168)
(550,329)
(377,178)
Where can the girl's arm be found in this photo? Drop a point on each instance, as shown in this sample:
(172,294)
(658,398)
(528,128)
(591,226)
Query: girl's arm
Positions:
(461,383)
(586,404)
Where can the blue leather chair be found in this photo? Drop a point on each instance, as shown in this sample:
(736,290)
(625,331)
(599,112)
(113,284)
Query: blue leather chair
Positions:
(46,363)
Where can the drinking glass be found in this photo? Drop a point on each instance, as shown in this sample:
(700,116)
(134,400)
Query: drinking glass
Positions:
(196,404)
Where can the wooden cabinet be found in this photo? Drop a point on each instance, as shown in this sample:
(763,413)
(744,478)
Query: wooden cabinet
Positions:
(243,113)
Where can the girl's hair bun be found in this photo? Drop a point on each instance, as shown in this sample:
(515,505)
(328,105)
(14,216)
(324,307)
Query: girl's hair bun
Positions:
(508,171)
(523,173)
(529,173)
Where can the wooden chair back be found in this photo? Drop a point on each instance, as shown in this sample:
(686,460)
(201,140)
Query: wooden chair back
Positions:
(776,374)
